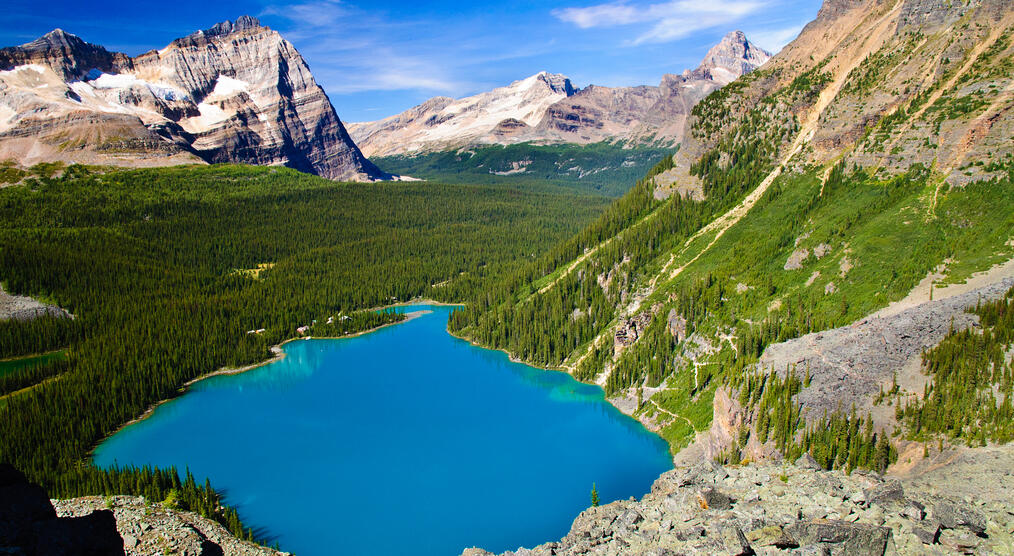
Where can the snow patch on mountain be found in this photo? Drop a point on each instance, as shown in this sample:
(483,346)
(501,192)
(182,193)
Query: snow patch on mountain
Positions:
(227,86)
(475,119)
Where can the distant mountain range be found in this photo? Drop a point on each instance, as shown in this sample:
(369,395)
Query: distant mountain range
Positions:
(237,92)
(546,108)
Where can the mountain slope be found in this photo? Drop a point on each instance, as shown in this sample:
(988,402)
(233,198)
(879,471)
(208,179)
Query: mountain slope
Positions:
(871,154)
(442,123)
(237,92)
(545,108)
(648,113)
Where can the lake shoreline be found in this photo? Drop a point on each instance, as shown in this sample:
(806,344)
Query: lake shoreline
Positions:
(415,389)
(278,354)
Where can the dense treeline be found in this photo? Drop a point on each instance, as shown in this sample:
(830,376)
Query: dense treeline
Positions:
(603,168)
(23,337)
(835,441)
(157,485)
(970,395)
(544,327)
(173,273)
(27,375)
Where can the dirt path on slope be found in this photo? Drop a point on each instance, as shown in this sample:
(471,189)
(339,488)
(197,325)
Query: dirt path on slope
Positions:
(920,294)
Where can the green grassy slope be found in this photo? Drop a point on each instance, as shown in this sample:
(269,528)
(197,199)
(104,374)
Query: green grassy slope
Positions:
(805,226)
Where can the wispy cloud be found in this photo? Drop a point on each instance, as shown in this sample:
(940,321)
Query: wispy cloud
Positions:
(774,40)
(312,15)
(353,50)
(671,20)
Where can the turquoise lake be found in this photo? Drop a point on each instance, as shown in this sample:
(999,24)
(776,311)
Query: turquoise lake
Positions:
(403,440)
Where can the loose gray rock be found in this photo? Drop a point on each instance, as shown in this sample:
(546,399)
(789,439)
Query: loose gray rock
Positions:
(850,538)
(954,515)
(709,509)
(806,461)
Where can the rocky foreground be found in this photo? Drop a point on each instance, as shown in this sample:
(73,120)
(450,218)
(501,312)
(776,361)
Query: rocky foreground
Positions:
(801,509)
(32,524)
(149,529)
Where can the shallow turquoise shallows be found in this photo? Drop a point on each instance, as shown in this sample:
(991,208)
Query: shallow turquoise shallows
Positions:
(402,441)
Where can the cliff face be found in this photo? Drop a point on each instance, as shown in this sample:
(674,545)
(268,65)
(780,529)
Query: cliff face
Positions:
(892,83)
(237,92)
(545,108)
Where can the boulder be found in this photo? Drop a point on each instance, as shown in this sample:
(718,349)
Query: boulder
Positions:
(927,536)
(771,535)
(885,493)
(854,539)
(735,543)
(806,461)
(954,515)
(713,499)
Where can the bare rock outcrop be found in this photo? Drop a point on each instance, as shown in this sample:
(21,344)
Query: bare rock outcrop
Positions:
(849,365)
(19,307)
(150,529)
(792,509)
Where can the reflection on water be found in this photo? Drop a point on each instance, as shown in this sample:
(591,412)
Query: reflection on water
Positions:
(459,445)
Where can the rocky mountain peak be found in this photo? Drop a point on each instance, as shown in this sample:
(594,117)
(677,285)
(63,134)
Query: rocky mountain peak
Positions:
(557,83)
(55,39)
(237,92)
(732,57)
(242,23)
(67,54)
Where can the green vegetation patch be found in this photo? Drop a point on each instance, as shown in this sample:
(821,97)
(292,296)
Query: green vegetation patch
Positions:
(969,398)
(602,168)
(147,259)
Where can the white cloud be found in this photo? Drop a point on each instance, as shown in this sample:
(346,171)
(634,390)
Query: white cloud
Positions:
(774,40)
(353,51)
(375,77)
(671,20)
(322,13)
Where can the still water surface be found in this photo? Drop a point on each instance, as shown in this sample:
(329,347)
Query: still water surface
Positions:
(404,440)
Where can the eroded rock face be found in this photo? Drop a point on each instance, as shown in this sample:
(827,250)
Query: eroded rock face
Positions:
(237,92)
(770,509)
(551,110)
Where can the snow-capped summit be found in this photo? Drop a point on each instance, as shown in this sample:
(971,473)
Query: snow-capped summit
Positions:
(546,108)
(442,123)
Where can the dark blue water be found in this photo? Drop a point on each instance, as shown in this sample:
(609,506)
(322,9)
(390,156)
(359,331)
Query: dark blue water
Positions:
(404,440)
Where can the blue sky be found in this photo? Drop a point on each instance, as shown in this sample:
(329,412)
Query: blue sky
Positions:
(376,58)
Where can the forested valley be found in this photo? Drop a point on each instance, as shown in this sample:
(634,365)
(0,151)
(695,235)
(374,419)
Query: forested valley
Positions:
(173,273)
